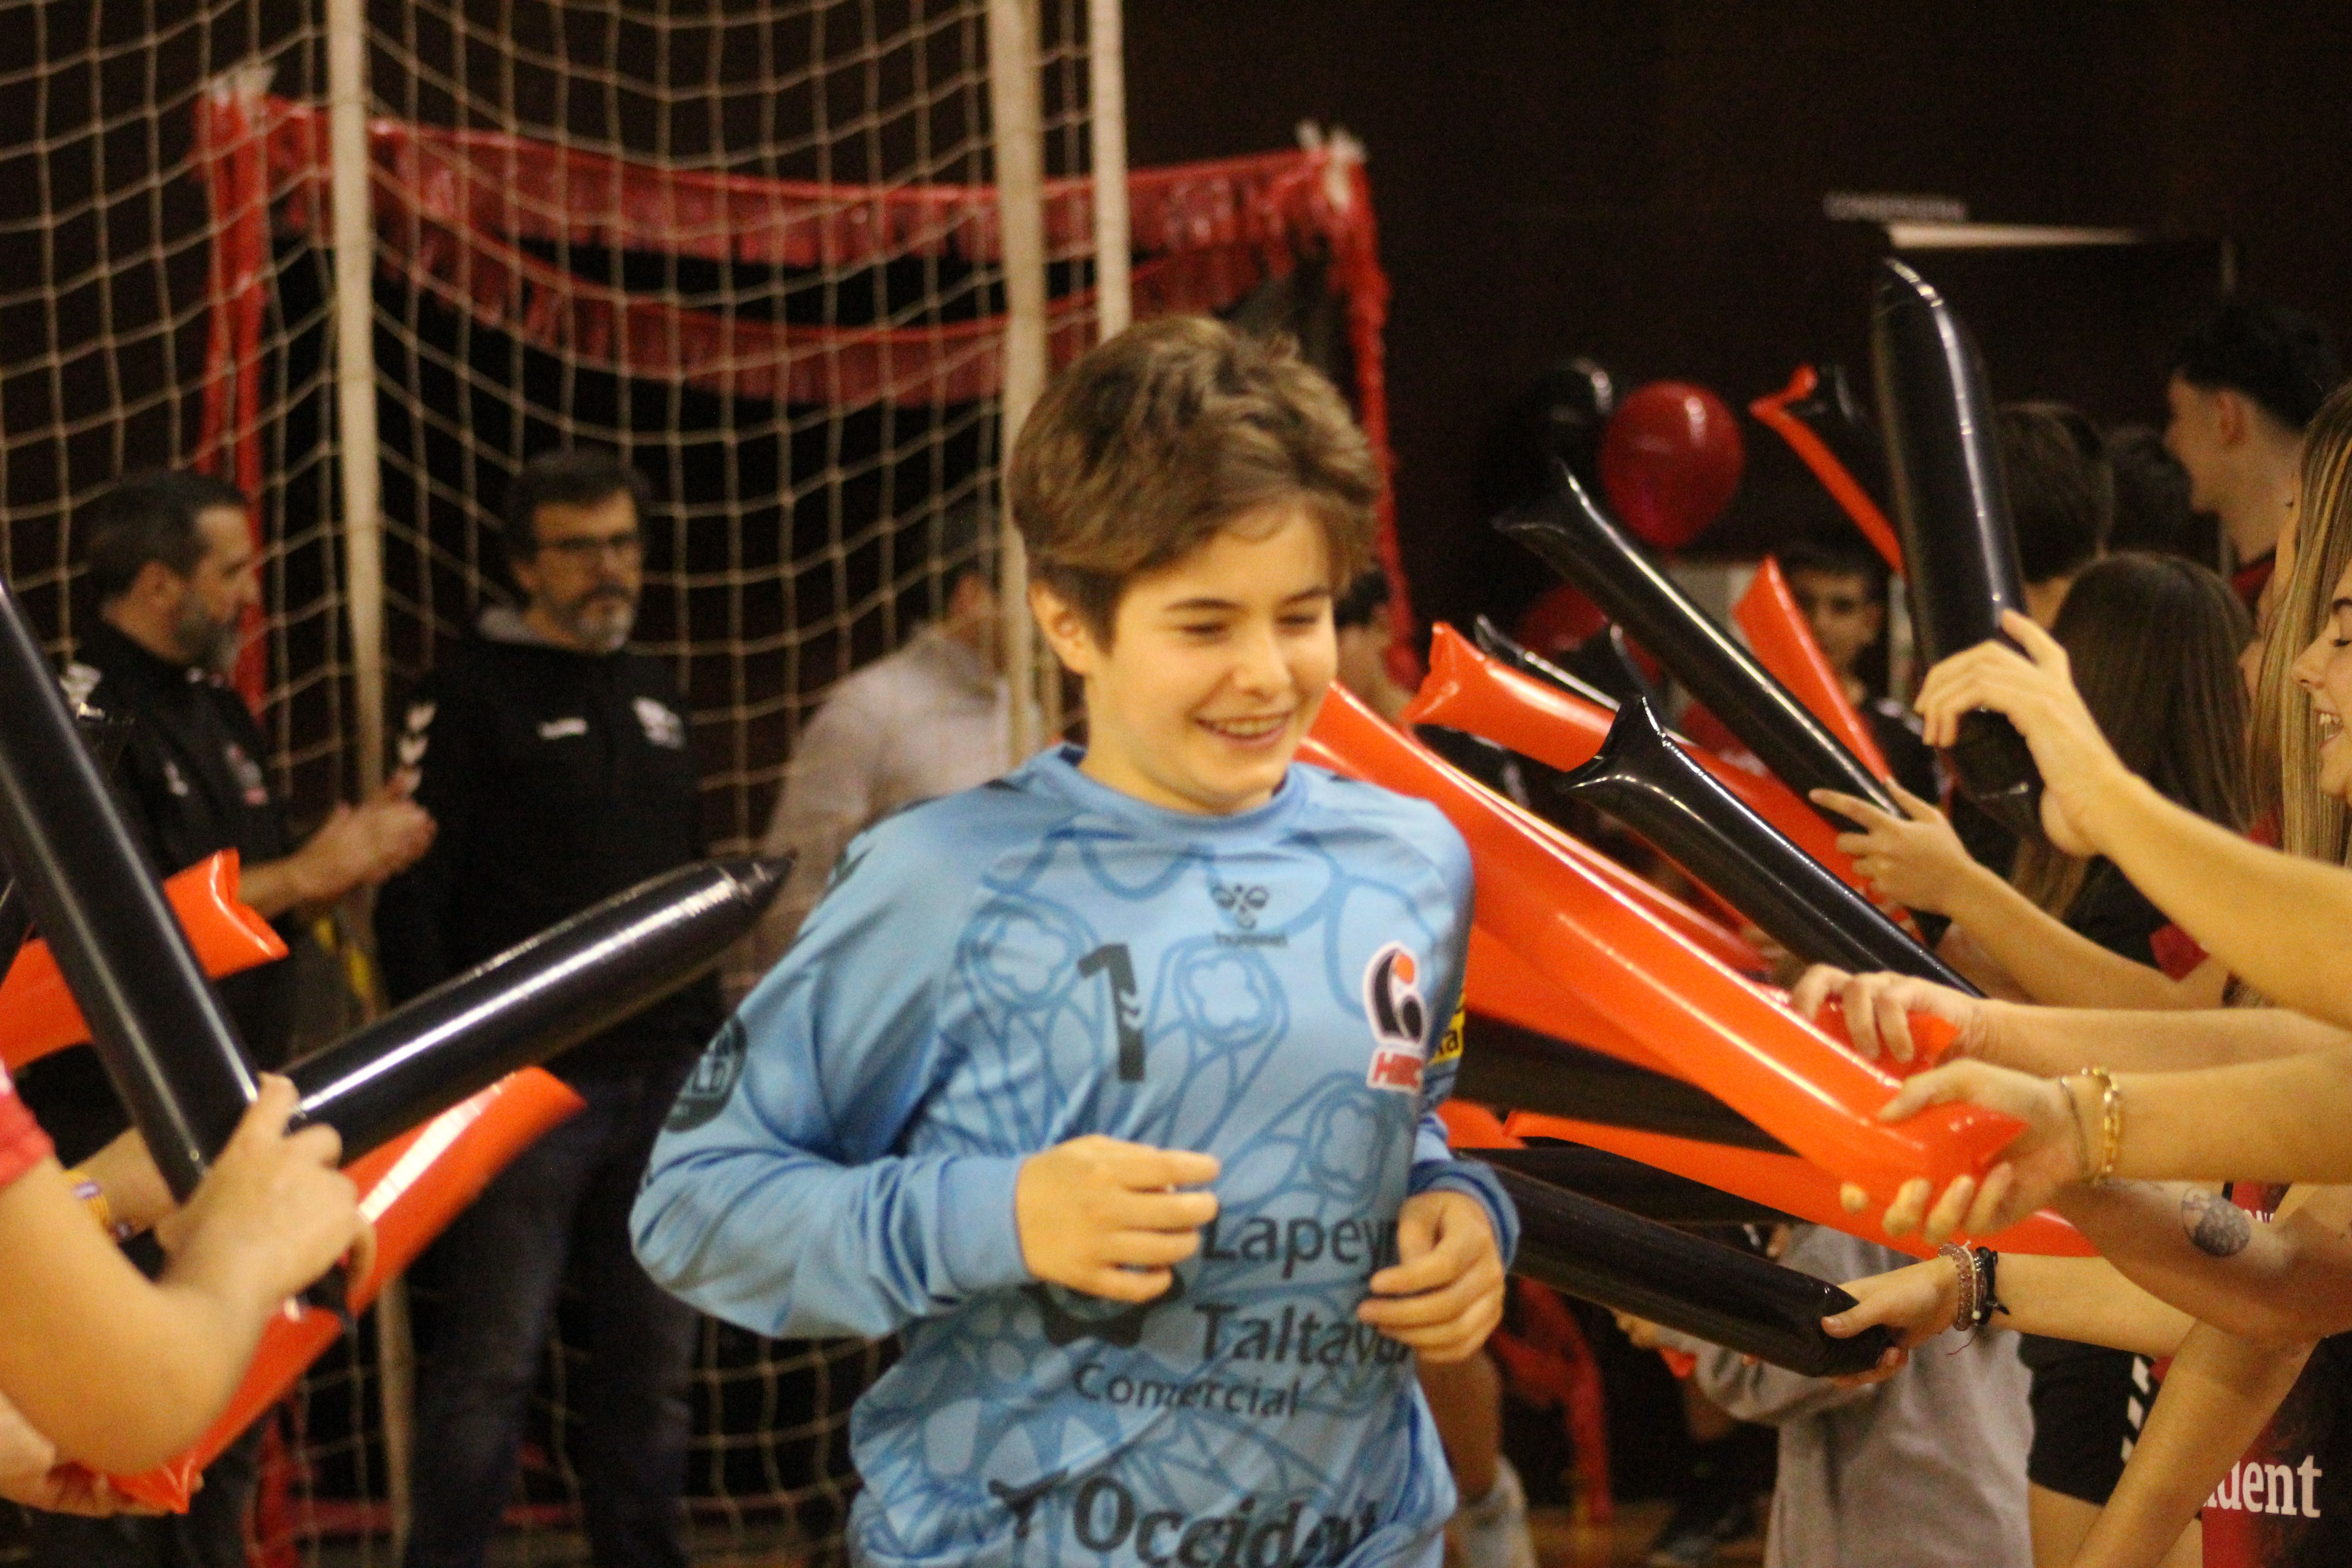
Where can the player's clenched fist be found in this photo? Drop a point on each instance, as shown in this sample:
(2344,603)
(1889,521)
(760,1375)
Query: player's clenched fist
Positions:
(1108,1217)
(1444,1294)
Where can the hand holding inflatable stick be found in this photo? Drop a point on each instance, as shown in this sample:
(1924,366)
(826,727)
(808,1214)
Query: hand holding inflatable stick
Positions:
(2034,691)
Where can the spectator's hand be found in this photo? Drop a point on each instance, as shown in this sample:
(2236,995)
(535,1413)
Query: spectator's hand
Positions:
(2036,691)
(272,1215)
(360,845)
(1878,1008)
(33,1473)
(1915,860)
(1107,1217)
(2046,1154)
(1444,1293)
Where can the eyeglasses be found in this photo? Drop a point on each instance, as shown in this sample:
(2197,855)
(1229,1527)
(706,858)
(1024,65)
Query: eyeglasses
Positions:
(589,546)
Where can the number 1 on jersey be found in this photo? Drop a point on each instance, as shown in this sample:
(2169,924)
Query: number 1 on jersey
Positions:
(1112,959)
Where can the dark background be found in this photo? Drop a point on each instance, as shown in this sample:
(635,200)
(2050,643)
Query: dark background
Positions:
(1644,184)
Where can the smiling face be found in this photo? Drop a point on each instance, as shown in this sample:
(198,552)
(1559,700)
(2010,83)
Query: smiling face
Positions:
(1216,667)
(2323,670)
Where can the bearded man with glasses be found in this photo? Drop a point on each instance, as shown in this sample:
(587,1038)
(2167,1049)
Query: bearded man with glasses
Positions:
(559,764)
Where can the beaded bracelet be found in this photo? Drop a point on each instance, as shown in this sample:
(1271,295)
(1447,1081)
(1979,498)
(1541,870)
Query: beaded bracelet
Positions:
(1987,1273)
(1963,1313)
(93,1198)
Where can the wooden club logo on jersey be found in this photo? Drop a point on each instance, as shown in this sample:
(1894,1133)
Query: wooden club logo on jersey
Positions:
(1399,1019)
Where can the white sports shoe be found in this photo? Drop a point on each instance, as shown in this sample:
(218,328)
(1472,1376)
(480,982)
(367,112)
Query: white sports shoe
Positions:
(1493,1531)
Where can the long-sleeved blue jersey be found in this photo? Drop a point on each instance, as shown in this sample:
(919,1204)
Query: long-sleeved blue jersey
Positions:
(996,971)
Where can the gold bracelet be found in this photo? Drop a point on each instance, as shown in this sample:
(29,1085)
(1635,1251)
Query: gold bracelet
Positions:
(2111,1124)
(2075,1112)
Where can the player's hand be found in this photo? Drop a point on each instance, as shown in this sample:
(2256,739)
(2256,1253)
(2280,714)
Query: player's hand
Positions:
(1878,1008)
(2046,1154)
(33,1473)
(360,845)
(1915,860)
(1108,1217)
(273,1214)
(2036,691)
(1914,1303)
(1443,1295)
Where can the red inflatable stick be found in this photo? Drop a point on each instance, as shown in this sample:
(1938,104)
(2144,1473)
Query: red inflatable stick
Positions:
(410,1188)
(1501,985)
(1777,1180)
(1467,691)
(1782,641)
(1721,1033)
(1930,1036)
(1725,945)
(37,1015)
(1771,410)
(1783,1182)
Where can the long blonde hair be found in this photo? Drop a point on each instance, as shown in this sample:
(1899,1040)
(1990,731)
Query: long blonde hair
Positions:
(2286,729)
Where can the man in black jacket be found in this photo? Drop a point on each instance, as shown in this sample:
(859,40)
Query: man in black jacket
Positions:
(558,766)
(172,561)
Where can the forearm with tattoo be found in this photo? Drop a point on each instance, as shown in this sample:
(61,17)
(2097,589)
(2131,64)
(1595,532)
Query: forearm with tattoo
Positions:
(2216,1226)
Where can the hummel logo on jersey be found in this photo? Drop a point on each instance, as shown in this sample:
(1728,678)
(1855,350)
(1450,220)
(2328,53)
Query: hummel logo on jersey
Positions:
(557,729)
(1242,903)
(1399,1017)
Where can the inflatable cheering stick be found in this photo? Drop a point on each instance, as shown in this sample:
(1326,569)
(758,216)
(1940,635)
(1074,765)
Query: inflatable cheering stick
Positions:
(1577,542)
(37,1012)
(1507,1063)
(1629,1185)
(1690,1013)
(1775,627)
(1644,781)
(161,1034)
(1817,415)
(1470,691)
(1951,504)
(1782,1182)
(409,1190)
(1702,1289)
(533,1000)
(1498,645)
(1535,787)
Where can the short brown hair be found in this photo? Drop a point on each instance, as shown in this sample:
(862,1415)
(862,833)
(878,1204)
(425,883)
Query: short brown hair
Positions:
(1157,439)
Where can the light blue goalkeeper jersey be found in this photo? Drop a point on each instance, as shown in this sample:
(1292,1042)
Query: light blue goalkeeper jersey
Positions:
(997,972)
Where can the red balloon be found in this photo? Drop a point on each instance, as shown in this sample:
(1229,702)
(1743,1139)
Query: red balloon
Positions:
(1556,622)
(1669,462)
